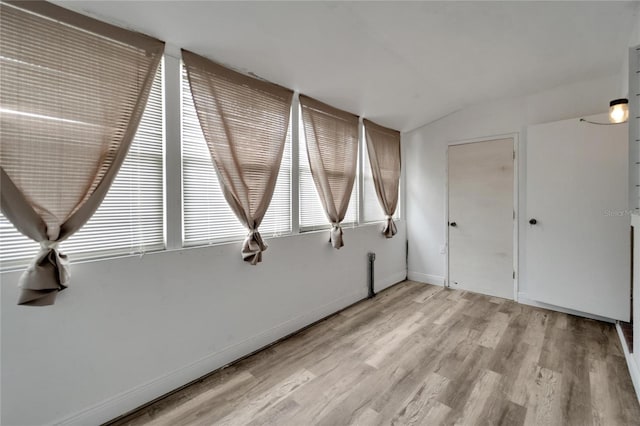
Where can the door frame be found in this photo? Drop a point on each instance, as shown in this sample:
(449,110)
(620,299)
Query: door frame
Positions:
(516,192)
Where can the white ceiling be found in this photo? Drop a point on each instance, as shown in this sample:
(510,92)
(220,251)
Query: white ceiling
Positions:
(402,64)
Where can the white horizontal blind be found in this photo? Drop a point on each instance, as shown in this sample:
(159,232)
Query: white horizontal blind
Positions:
(131,217)
(15,248)
(351,217)
(207,216)
(312,215)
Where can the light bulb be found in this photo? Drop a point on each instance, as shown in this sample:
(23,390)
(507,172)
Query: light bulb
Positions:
(619,111)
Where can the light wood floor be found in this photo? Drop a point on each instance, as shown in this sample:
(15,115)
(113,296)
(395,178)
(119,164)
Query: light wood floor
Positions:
(420,355)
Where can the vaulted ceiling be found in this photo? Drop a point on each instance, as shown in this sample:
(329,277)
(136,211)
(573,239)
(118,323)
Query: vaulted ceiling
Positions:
(402,64)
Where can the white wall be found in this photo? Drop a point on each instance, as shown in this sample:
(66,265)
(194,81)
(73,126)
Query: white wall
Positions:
(131,329)
(425,150)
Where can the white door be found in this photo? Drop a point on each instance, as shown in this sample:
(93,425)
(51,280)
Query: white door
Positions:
(577,252)
(481,214)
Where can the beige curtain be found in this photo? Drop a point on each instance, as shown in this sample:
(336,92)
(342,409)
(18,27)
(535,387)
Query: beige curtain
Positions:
(245,123)
(332,148)
(383,145)
(72,92)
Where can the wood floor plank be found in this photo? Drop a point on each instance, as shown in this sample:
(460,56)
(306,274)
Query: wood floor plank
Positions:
(456,395)
(459,306)
(374,391)
(536,326)
(621,392)
(428,293)
(366,418)
(255,406)
(191,410)
(561,320)
(323,396)
(499,410)
(415,362)
(602,408)
(544,407)
(273,415)
(514,308)
(457,340)
(555,347)
(418,354)
(479,308)
(576,390)
(485,386)
(390,342)
(437,414)
(416,408)
(519,374)
(402,378)
(497,326)
(510,351)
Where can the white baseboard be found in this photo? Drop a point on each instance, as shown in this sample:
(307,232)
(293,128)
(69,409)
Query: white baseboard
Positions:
(426,278)
(133,398)
(634,369)
(524,299)
(381,284)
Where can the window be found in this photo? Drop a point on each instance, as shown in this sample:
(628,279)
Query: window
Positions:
(131,217)
(372,210)
(312,215)
(206,214)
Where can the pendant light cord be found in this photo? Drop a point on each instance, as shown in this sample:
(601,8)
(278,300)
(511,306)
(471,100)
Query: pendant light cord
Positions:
(600,124)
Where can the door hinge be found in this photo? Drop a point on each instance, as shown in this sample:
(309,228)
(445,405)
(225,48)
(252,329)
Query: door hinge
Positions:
(514,155)
(514,275)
